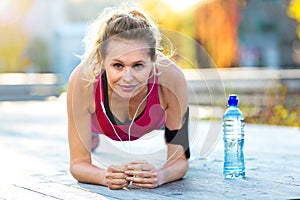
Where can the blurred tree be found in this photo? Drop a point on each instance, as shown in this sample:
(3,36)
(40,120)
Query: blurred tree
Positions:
(293,11)
(166,17)
(12,43)
(178,27)
(217,31)
(13,39)
(38,53)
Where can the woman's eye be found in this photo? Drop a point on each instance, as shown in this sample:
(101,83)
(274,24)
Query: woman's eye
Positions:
(138,66)
(118,65)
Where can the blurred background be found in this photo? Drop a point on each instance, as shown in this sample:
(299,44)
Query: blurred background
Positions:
(41,36)
(246,40)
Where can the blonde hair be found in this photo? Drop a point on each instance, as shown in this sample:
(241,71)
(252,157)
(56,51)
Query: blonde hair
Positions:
(126,23)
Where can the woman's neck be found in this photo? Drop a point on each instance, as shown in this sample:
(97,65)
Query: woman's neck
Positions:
(125,108)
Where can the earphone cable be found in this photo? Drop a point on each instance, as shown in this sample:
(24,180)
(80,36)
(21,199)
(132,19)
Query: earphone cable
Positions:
(135,114)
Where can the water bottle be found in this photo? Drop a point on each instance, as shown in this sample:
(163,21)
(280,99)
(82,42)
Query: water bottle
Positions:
(233,136)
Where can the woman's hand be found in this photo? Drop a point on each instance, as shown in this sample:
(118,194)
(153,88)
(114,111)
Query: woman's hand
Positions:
(116,177)
(142,174)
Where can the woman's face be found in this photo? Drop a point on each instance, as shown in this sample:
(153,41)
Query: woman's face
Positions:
(128,66)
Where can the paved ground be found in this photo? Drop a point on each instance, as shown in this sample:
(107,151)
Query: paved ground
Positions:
(34,159)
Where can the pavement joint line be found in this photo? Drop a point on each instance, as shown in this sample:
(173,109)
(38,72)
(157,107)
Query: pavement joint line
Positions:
(31,190)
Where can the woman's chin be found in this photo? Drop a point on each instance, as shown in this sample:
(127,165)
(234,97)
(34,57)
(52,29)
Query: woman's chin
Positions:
(126,94)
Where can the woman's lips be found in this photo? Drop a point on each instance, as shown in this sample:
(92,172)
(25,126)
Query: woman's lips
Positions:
(127,88)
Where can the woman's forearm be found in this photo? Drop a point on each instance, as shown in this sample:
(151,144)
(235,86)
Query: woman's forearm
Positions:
(173,170)
(88,173)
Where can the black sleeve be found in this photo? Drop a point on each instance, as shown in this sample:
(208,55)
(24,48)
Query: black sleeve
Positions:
(180,136)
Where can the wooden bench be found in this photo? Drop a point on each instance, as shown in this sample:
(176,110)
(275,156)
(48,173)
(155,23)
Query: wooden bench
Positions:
(29,86)
(253,85)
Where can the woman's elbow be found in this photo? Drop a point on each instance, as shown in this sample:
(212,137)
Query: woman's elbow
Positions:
(74,170)
(185,166)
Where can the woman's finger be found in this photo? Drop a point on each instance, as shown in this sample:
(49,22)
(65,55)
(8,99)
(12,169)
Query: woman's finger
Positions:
(122,182)
(116,168)
(143,177)
(145,174)
(140,167)
(145,182)
(118,185)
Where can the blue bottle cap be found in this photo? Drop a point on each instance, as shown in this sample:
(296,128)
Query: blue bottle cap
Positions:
(233,100)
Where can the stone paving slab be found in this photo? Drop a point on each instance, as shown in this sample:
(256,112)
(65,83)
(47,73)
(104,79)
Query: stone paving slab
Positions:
(35,160)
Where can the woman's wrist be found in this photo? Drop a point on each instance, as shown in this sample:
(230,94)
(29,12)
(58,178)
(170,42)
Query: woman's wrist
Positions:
(160,177)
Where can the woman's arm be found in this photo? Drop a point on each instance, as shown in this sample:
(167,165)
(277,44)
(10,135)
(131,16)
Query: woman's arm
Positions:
(79,132)
(174,94)
(80,105)
(176,167)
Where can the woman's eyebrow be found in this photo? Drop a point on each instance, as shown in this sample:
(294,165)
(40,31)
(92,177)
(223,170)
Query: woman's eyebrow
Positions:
(138,61)
(133,63)
(117,60)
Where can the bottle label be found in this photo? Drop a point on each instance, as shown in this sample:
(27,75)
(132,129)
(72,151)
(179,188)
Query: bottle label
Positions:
(233,127)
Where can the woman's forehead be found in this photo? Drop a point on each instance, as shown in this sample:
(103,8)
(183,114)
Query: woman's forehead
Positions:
(118,49)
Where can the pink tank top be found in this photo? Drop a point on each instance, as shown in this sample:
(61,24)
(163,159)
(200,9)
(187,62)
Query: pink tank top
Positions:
(153,116)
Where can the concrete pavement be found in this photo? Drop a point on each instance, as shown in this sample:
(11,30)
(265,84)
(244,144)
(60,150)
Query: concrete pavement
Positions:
(35,159)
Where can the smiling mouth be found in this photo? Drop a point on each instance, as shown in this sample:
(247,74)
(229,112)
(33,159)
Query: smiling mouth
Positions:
(127,88)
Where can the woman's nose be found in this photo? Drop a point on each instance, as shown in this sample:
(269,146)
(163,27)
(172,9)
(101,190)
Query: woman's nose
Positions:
(128,76)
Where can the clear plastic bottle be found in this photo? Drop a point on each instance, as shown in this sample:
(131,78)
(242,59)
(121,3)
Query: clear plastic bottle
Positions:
(233,136)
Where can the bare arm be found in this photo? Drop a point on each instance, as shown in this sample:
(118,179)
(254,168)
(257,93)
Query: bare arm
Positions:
(79,132)
(175,98)
(80,105)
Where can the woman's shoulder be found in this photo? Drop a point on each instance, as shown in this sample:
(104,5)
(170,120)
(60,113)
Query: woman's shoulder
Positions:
(76,74)
(79,89)
(173,86)
(79,76)
(170,74)
(78,82)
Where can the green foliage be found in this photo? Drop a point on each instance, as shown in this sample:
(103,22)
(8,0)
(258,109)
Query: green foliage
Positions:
(37,51)
(293,11)
(283,109)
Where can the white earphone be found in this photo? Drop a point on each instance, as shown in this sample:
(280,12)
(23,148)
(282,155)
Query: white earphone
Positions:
(135,114)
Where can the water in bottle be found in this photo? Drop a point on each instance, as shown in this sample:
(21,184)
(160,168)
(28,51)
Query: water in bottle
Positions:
(233,136)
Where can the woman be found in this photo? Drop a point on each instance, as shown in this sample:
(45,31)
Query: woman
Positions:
(125,88)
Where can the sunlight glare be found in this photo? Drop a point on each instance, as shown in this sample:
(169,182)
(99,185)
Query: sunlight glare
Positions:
(9,11)
(180,5)
(4,4)
(4,8)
